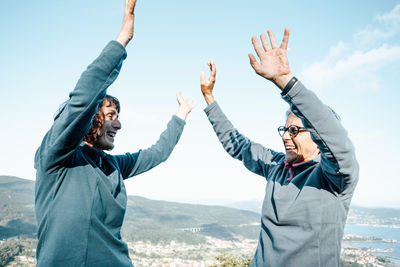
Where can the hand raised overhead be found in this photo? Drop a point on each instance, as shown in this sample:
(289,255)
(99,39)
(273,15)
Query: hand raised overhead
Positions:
(185,106)
(274,64)
(126,32)
(208,86)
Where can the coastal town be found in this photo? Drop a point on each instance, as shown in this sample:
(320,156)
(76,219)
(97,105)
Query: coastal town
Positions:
(176,254)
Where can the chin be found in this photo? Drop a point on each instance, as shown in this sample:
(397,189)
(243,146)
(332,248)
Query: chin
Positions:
(109,147)
(105,147)
(290,161)
(291,157)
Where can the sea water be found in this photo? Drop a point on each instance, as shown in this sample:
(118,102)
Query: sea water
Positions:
(386,233)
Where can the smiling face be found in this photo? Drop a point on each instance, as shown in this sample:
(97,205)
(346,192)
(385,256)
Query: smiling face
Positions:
(105,125)
(109,128)
(300,148)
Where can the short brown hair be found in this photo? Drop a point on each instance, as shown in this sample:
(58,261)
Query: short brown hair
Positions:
(98,120)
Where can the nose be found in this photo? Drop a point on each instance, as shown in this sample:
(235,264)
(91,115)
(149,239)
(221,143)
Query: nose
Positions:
(286,135)
(116,124)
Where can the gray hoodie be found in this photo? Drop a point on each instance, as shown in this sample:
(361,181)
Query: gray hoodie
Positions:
(305,205)
(80,197)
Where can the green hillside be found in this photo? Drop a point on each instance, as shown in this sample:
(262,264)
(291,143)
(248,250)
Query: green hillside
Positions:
(17,215)
(161,221)
(145,219)
(165,221)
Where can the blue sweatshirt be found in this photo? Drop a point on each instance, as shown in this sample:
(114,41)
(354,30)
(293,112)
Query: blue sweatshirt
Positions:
(80,197)
(305,205)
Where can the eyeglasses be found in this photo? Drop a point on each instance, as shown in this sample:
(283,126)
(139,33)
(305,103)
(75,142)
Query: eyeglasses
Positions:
(293,130)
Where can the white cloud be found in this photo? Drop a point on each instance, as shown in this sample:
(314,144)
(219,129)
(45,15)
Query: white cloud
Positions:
(361,68)
(367,63)
(355,63)
(388,26)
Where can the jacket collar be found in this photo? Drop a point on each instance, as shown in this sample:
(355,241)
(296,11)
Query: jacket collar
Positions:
(93,153)
(317,159)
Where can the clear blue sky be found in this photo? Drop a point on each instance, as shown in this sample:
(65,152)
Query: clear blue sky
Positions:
(346,51)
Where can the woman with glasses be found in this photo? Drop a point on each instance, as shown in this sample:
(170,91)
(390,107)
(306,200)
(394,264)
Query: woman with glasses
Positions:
(309,188)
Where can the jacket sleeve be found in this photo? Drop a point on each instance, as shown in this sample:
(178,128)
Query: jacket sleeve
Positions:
(338,161)
(254,156)
(74,119)
(132,164)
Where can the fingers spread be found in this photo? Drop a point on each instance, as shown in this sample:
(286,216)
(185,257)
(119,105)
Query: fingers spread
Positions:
(285,39)
(264,42)
(272,39)
(257,46)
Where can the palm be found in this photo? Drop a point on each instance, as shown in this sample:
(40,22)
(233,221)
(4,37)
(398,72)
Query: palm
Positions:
(185,106)
(273,59)
(208,85)
(273,63)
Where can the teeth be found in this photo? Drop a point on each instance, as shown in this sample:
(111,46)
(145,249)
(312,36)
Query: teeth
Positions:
(111,134)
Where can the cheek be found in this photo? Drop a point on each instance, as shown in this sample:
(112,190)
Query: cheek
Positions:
(308,146)
(301,144)
(297,143)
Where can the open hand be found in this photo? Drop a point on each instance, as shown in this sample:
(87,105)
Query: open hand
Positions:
(208,86)
(126,32)
(274,64)
(185,106)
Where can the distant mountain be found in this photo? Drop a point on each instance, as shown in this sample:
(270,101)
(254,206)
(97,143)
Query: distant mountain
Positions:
(251,205)
(376,216)
(145,219)
(378,212)
(156,220)
(164,221)
(357,214)
(17,215)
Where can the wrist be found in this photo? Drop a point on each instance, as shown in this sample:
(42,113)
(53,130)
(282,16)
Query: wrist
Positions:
(181,114)
(289,85)
(282,80)
(208,98)
(123,41)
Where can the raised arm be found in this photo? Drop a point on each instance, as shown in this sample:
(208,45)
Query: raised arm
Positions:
(144,160)
(126,32)
(73,121)
(254,156)
(338,162)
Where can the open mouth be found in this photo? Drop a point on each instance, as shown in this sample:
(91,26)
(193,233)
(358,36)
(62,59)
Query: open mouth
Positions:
(111,134)
(290,148)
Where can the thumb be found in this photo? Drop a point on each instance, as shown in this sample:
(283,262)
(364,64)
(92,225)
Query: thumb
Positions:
(202,78)
(253,61)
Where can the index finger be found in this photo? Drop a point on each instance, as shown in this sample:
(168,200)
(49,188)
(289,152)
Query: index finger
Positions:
(285,39)
(202,78)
